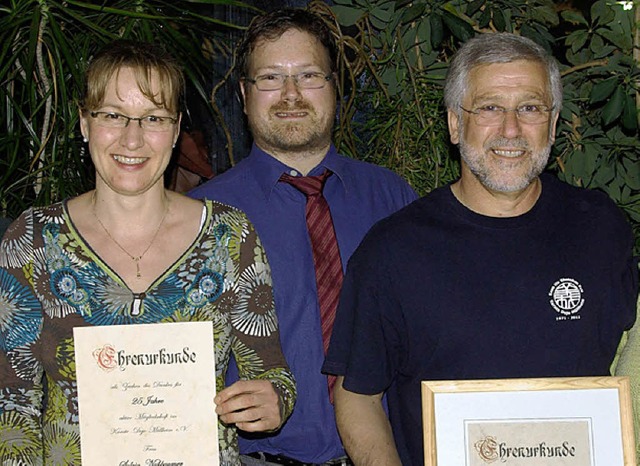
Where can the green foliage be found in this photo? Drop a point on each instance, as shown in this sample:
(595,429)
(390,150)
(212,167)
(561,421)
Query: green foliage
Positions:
(44,48)
(401,51)
(390,85)
(597,144)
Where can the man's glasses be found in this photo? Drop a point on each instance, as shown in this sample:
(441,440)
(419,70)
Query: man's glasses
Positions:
(148,123)
(494,115)
(304,80)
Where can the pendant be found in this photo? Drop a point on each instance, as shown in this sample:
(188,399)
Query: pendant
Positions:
(136,308)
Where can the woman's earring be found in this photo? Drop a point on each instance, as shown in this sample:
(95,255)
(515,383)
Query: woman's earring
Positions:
(85,140)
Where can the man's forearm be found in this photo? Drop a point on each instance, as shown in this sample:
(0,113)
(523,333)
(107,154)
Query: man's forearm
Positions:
(364,428)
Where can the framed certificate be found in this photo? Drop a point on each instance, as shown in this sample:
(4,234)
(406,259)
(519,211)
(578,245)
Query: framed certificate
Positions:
(582,421)
(145,394)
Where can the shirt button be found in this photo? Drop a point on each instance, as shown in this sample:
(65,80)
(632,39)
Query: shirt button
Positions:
(293,173)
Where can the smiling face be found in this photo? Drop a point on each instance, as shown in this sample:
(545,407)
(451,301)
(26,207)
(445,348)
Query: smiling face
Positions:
(290,121)
(129,160)
(507,157)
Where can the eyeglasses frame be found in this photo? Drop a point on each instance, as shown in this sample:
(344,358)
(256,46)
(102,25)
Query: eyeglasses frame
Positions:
(327,78)
(94,114)
(504,112)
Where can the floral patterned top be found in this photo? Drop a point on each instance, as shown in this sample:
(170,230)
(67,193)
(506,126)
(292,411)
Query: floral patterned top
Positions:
(51,281)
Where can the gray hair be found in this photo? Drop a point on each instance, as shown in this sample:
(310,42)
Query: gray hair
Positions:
(500,47)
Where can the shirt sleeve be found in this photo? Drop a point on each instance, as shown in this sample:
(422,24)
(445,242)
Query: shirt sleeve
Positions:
(629,365)
(256,338)
(21,372)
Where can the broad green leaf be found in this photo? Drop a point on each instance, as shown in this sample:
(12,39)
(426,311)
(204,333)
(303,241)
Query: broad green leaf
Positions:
(384,11)
(634,214)
(605,52)
(485,18)
(458,27)
(377,23)
(569,109)
(347,16)
(547,40)
(413,12)
(624,62)
(613,109)
(576,167)
(601,12)
(533,34)
(409,39)
(414,49)
(592,132)
(603,176)
(624,21)
(592,153)
(622,41)
(499,20)
(437,29)
(613,189)
(630,113)
(378,41)
(632,173)
(474,6)
(509,23)
(625,193)
(437,71)
(574,17)
(424,33)
(603,89)
(577,39)
(546,15)
(578,57)
(596,44)
(400,4)
(390,79)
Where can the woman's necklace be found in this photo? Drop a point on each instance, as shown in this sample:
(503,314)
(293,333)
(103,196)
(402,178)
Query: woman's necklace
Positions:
(135,259)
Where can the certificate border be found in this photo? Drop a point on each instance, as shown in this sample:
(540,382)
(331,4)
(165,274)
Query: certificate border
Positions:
(430,388)
(95,379)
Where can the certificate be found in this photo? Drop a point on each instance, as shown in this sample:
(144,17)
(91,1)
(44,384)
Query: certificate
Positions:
(145,394)
(581,421)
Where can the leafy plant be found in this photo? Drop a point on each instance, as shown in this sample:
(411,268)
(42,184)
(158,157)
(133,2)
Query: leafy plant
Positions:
(598,144)
(44,48)
(395,58)
(398,53)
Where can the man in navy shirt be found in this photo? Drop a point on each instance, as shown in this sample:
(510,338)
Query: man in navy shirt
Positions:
(505,273)
(287,66)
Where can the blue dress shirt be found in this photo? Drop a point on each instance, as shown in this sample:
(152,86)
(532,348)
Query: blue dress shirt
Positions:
(359,194)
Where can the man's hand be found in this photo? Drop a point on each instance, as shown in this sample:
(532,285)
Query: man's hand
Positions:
(252,405)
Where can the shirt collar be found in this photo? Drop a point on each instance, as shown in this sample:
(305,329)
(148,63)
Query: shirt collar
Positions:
(267,169)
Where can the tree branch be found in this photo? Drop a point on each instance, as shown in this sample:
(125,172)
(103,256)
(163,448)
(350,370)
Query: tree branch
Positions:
(583,66)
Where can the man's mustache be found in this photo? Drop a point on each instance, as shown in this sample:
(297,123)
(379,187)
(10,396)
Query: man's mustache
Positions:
(296,106)
(507,143)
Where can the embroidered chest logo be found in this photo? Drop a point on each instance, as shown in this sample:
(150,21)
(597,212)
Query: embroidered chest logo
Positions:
(566,298)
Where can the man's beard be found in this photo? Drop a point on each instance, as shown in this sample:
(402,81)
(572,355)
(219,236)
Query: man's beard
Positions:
(294,136)
(497,174)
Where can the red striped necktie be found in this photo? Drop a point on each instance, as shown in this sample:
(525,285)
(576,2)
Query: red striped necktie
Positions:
(326,255)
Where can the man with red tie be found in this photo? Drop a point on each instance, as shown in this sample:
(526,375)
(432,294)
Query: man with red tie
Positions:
(310,206)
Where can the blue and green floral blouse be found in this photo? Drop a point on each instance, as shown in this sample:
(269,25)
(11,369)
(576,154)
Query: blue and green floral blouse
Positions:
(51,281)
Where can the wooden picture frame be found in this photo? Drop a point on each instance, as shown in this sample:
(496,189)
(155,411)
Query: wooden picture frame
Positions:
(585,421)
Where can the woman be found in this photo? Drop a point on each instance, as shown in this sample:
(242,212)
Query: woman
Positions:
(130,252)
